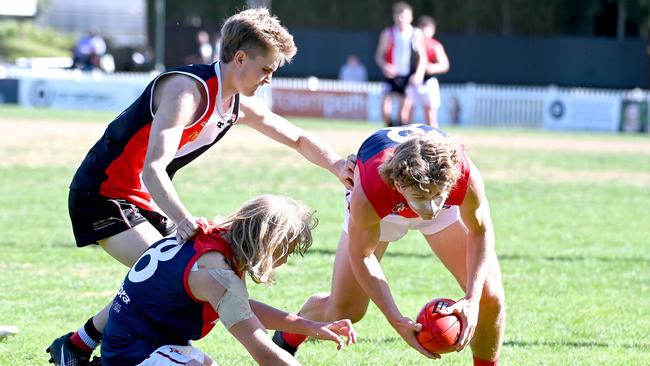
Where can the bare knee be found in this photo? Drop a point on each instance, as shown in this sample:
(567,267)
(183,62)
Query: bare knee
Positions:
(323,307)
(493,297)
(353,310)
(316,307)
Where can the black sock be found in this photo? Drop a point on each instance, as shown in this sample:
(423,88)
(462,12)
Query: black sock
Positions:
(92,332)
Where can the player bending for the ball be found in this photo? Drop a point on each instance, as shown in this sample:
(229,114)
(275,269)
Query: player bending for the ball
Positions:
(415,177)
(174,293)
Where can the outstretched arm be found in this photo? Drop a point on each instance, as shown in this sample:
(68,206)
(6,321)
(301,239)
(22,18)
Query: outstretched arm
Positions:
(273,318)
(217,284)
(475,212)
(364,232)
(257,115)
(252,335)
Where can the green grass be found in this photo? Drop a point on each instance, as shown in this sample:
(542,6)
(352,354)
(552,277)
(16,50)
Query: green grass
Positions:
(574,252)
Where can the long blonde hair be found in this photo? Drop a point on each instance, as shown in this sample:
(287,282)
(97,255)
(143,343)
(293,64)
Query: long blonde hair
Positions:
(423,161)
(266,225)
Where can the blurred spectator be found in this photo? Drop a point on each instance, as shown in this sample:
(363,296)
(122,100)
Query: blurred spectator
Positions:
(88,52)
(353,70)
(142,60)
(402,59)
(203,50)
(427,95)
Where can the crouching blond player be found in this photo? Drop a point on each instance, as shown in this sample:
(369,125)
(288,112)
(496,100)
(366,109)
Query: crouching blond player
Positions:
(415,177)
(175,292)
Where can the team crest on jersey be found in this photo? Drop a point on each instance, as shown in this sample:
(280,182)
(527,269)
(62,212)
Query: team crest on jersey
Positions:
(399,207)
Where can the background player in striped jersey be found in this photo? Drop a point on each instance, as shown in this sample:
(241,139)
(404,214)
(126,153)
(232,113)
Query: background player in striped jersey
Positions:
(122,196)
(174,293)
(427,94)
(415,177)
(401,57)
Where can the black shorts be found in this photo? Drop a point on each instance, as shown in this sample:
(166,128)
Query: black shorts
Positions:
(397,84)
(95,217)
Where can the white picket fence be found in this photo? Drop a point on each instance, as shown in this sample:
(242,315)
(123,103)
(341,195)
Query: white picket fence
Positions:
(504,106)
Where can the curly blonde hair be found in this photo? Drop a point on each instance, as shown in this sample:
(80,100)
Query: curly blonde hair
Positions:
(423,161)
(256,31)
(264,226)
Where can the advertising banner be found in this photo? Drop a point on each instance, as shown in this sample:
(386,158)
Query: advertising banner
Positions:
(323,104)
(106,95)
(582,112)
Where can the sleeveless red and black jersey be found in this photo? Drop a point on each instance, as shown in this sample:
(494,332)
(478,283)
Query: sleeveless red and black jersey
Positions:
(113,166)
(378,148)
(393,54)
(155,305)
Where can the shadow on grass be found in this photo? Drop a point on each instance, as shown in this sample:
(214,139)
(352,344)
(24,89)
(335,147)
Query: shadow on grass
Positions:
(510,257)
(572,258)
(575,344)
(387,254)
(542,343)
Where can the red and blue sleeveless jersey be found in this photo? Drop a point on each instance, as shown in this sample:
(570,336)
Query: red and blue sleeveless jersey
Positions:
(155,306)
(378,148)
(113,166)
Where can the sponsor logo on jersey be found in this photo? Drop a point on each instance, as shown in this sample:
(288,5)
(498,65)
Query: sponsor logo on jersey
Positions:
(399,207)
(122,295)
(193,136)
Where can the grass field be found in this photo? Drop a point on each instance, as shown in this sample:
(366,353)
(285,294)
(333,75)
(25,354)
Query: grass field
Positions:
(571,211)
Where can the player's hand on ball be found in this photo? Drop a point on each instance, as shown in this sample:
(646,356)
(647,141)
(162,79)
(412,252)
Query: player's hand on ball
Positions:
(468,313)
(408,330)
(334,331)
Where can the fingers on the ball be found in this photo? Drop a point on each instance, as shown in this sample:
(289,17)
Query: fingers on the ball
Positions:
(429,354)
(466,336)
(471,334)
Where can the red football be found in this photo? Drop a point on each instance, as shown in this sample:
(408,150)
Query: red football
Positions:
(439,332)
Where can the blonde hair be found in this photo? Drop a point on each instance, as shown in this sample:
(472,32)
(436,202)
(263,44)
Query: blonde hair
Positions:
(423,161)
(256,31)
(264,226)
